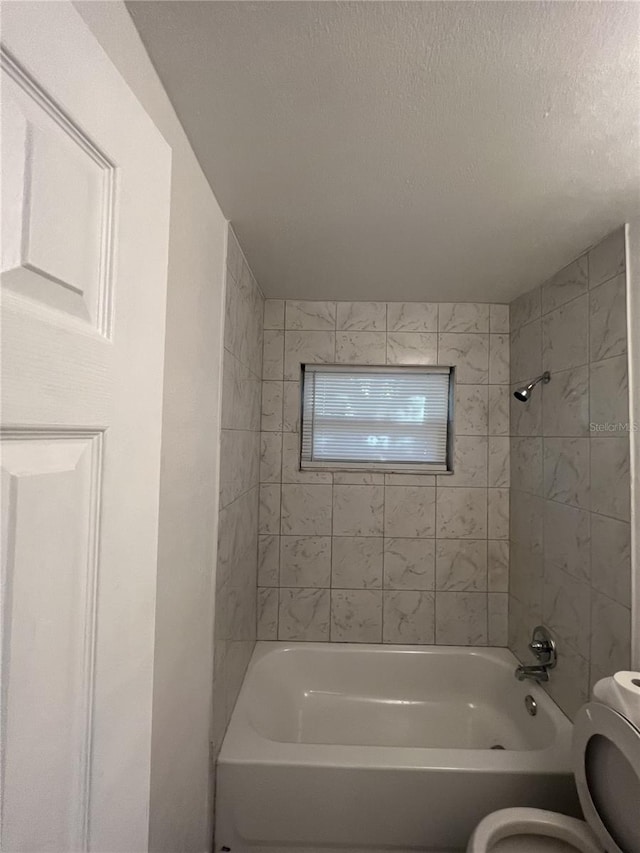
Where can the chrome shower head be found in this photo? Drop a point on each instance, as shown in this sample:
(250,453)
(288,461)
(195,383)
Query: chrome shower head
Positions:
(524,393)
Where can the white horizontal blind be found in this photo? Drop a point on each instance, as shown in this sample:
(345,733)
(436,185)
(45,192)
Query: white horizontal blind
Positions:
(379,415)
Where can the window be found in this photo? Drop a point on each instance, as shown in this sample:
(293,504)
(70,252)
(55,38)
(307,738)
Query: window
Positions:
(372,418)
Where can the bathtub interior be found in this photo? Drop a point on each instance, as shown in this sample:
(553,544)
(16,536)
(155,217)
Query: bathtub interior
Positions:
(394,697)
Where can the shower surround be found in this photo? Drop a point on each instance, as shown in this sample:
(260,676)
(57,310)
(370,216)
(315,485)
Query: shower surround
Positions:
(372,557)
(570,532)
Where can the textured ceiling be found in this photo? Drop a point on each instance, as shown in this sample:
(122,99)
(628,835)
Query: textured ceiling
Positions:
(392,150)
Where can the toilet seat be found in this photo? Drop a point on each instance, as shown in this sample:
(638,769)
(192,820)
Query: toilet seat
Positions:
(523,821)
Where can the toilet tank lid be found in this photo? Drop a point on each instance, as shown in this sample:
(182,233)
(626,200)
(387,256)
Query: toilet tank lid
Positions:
(606,761)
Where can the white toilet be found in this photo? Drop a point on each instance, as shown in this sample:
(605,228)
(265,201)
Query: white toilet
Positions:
(606,762)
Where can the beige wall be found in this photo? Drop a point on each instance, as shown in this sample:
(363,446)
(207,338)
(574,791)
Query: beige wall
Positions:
(380,557)
(236,578)
(570,555)
(180,808)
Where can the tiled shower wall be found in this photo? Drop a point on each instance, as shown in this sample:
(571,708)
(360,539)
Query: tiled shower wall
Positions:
(570,553)
(372,557)
(236,576)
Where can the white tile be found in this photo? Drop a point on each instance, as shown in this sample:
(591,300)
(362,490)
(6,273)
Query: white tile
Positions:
(567,284)
(361,347)
(356,478)
(499,318)
(409,511)
(526,418)
(409,563)
(499,461)
(607,259)
(525,357)
(565,403)
(564,342)
(608,396)
(306,510)
(358,510)
(471,410)
(566,538)
(307,348)
(273,355)
(270,457)
(525,308)
(469,462)
(268,560)
(611,635)
(461,513)
(498,565)
(608,319)
(412,348)
(499,359)
(566,470)
(409,479)
(412,316)
(569,685)
(611,557)
(356,616)
(304,615)
(463,317)
(291,472)
(461,618)
(610,483)
(527,463)
(499,401)
(461,564)
(274,313)
(291,407)
(498,513)
(267,603)
(498,624)
(272,406)
(566,609)
(408,617)
(527,520)
(362,316)
(469,353)
(526,574)
(305,561)
(305,315)
(356,562)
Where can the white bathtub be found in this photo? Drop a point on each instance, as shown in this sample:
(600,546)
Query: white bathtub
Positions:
(358,747)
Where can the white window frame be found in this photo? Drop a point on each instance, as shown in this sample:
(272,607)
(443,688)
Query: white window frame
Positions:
(373,466)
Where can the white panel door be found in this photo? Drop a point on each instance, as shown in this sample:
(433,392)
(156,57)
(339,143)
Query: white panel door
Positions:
(85,212)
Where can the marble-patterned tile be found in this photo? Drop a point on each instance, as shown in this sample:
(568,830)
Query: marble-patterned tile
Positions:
(610,483)
(356,616)
(461,565)
(412,348)
(461,513)
(461,618)
(566,539)
(566,470)
(526,418)
(498,513)
(607,259)
(237,537)
(409,563)
(268,560)
(304,614)
(239,463)
(235,257)
(358,510)
(272,393)
(469,462)
(609,396)
(471,409)
(523,617)
(408,617)
(567,284)
(463,317)
(241,391)
(498,565)
(412,316)
(306,510)
(526,352)
(307,348)
(499,359)
(361,347)
(358,478)
(310,316)
(526,573)
(525,308)
(362,316)
(564,342)
(499,402)
(526,520)
(270,457)
(305,561)
(499,458)
(291,406)
(527,464)
(610,635)
(499,318)
(273,354)
(611,557)
(267,602)
(409,479)
(291,472)
(469,353)
(608,319)
(274,313)
(409,511)
(566,603)
(569,685)
(356,562)
(498,618)
(565,403)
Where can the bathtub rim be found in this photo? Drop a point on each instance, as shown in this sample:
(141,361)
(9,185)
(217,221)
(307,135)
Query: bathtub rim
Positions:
(242,744)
